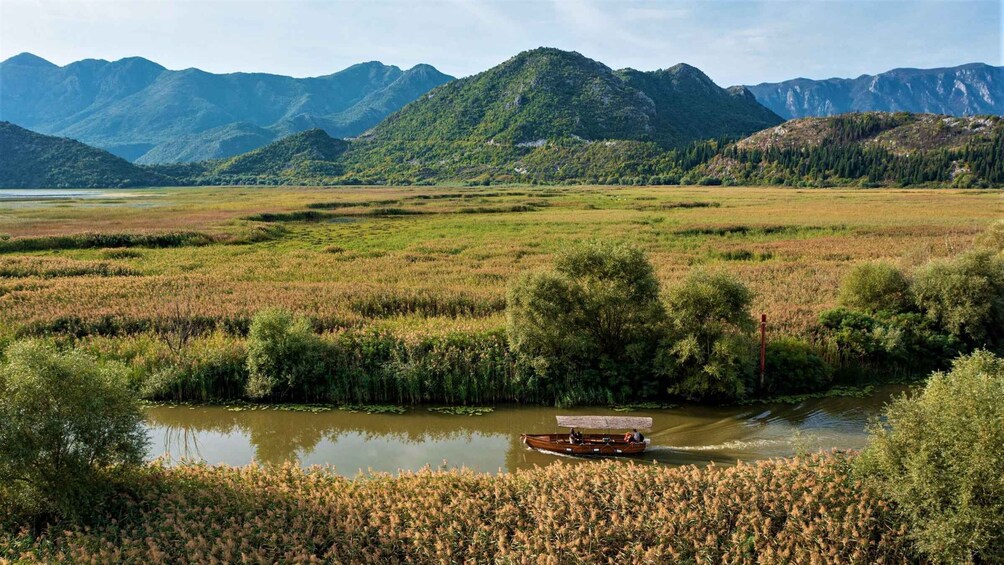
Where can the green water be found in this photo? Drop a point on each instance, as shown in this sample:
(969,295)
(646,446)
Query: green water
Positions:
(354,442)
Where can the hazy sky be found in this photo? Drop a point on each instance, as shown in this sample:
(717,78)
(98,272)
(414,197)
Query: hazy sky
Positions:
(733,41)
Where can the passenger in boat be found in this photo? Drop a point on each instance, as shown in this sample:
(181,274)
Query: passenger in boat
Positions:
(575,436)
(636,436)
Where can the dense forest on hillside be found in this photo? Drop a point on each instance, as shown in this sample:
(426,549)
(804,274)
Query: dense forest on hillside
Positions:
(850,150)
(873,149)
(32,160)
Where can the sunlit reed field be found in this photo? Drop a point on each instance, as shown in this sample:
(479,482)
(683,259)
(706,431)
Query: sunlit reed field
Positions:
(785,511)
(420,260)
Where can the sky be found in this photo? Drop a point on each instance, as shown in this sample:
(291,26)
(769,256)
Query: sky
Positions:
(734,42)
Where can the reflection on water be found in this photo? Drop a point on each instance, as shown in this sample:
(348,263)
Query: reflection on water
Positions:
(388,442)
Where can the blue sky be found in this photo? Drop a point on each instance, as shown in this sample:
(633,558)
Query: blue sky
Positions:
(733,41)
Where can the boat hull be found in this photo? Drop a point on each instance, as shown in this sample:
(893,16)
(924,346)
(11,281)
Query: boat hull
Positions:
(593,445)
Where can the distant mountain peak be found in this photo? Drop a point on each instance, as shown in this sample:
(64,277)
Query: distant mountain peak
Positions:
(28,59)
(684,68)
(740,91)
(965,90)
(552,54)
(138,110)
(139,61)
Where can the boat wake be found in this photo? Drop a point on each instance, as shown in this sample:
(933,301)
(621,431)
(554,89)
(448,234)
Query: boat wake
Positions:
(555,453)
(735,445)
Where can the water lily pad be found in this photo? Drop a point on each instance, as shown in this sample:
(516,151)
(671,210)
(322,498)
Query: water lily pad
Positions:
(463,410)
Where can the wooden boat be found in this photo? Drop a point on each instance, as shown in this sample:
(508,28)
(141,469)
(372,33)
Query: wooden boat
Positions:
(605,444)
(592,444)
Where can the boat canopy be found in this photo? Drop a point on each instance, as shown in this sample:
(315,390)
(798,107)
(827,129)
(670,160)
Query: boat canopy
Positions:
(604,422)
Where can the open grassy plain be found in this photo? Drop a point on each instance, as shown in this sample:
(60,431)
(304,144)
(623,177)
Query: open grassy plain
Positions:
(419,260)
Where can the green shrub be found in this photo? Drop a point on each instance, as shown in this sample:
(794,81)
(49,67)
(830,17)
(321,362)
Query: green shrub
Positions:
(793,367)
(589,328)
(284,357)
(939,457)
(709,353)
(965,296)
(875,287)
(887,342)
(66,420)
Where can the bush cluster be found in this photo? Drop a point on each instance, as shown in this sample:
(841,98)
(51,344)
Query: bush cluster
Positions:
(938,456)
(67,421)
(890,322)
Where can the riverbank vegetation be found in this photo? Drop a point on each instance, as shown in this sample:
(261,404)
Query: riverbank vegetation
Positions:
(937,458)
(411,308)
(927,488)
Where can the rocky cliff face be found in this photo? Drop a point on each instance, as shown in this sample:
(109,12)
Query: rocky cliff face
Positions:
(966,90)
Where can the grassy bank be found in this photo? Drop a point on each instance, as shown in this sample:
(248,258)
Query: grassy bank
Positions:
(803,510)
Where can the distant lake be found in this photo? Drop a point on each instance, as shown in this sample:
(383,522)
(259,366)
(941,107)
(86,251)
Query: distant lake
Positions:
(52,193)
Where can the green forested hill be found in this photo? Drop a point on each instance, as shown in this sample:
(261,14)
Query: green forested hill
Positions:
(33,160)
(690,106)
(869,149)
(543,104)
(540,94)
(309,157)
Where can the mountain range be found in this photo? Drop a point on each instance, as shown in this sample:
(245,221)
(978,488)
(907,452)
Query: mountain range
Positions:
(145,113)
(547,116)
(966,90)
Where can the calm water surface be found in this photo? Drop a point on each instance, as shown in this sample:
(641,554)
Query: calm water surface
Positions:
(354,442)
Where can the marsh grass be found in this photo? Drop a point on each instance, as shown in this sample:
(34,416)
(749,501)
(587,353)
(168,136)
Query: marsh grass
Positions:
(103,240)
(301,216)
(47,268)
(807,510)
(447,271)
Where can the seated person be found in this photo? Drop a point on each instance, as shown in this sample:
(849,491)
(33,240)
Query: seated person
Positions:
(575,436)
(636,436)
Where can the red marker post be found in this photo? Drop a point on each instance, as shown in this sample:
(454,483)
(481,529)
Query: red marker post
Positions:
(763,348)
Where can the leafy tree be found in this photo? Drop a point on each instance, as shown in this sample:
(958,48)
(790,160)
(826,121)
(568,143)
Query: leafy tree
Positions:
(284,356)
(590,327)
(709,353)
(875,287)
(65,421)
(965,296)
(939,456)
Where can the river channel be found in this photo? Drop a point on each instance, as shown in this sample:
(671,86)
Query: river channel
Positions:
(356,442)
